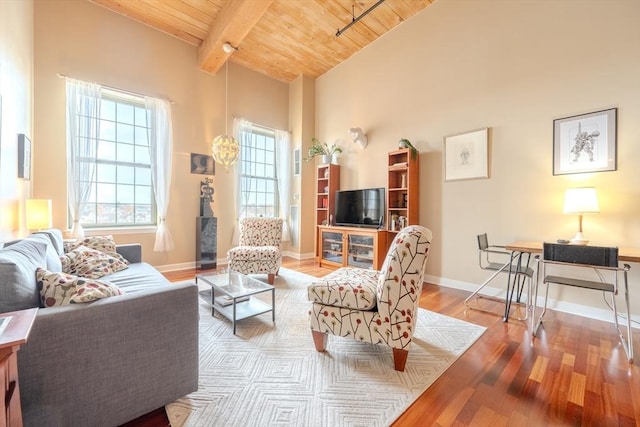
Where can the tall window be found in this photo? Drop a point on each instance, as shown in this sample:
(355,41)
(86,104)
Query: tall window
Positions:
(258,173)
(120,189)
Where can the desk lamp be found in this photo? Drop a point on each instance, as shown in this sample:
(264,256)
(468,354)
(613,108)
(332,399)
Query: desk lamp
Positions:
(38,214)
(580,201)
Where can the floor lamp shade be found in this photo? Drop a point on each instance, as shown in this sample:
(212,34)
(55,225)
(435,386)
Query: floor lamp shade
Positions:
(580,201)
(38,214)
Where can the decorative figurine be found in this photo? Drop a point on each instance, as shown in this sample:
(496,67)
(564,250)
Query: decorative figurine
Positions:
(206,197)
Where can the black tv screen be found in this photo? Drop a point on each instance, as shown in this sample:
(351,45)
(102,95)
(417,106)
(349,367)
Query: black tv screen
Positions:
(360,208)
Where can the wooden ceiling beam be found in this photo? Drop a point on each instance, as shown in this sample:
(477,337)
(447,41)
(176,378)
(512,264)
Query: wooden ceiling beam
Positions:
(232,25)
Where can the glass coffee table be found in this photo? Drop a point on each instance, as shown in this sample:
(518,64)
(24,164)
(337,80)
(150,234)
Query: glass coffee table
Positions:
(235,298)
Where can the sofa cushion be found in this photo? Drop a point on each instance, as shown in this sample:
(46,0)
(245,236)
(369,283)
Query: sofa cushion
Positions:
(62,288)
(91,263)
(18,264)
(347,287)
(140,276)
(55,236)
(100,243)
(52,257)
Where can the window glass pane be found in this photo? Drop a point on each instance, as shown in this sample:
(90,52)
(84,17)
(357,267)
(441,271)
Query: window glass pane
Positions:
(105,193)
(143,195)
(106,213)
(124,113)
(107,130)
(143,213)
(107,109)
(125,214)
(126,175)
(106,150)
(126,193)
(142,155)
(141,136)
(124,133)
(141,116)
(88,213)
(125,153)
(143,176)
(106,173)
(92,194)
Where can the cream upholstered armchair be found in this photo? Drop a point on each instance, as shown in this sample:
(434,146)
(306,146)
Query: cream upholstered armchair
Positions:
(379,307)
(259,247)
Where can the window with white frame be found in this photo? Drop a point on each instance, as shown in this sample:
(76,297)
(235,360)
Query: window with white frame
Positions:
(258,173)
(121,192)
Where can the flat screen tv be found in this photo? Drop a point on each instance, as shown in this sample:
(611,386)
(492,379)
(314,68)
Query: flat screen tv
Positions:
(360,208)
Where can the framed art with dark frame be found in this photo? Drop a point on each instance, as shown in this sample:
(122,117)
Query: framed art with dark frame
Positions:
(466,155)
(585,143)
(24,157)
(202,164)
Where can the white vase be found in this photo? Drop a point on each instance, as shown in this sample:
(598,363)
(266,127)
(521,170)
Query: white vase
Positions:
(326,159)
(334,158)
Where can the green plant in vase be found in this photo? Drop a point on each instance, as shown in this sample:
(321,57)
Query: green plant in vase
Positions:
(322,149)
(405,143)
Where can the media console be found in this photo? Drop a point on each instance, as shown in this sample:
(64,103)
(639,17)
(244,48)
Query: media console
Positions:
(340,246)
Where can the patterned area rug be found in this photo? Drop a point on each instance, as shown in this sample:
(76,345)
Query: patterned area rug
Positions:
(271,375)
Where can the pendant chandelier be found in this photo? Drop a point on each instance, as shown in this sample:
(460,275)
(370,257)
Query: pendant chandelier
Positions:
(224,148)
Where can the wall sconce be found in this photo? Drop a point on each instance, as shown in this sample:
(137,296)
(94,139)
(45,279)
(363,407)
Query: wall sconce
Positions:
(357,135)
(38,213)
(580,201)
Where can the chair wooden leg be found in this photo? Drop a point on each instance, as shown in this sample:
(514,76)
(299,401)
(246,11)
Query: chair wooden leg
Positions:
(399,359)
(320,340)
(270,278)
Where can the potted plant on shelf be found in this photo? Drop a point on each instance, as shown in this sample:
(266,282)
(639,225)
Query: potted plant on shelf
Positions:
(323,149)
(404,143)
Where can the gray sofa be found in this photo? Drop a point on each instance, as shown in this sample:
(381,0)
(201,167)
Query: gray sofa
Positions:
(112,360)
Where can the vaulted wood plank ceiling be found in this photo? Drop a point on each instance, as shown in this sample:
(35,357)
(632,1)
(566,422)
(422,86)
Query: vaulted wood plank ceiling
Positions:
(282,39)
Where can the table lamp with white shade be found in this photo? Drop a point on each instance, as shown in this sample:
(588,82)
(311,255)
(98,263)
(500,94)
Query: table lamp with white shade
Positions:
(580,201)
(38,212)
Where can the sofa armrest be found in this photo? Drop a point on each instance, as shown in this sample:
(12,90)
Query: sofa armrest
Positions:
(132,252)
(112,360)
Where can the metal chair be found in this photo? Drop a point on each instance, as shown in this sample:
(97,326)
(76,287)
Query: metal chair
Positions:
(600,259)
(499,260)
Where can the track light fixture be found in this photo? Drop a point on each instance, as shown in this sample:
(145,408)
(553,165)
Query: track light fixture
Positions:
(354,19)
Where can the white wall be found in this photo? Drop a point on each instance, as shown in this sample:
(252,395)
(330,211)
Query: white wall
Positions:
(16,114)
(514,67)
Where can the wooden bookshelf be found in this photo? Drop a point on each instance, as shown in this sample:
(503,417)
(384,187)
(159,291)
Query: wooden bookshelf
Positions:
(403,180)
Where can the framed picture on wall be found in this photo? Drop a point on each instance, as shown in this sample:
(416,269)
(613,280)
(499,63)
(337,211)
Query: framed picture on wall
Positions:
(24,157)
(466,155)
(585,143)
(202,164)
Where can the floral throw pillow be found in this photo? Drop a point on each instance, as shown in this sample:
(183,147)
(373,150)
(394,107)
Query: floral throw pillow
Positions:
(61,288)
(90,263)
(100,243)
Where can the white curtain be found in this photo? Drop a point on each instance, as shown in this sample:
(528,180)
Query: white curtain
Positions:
(242,130)
(161,154)
(283,171)
(83,112)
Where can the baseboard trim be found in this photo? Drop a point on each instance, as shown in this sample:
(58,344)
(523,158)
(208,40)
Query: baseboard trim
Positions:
(553,304)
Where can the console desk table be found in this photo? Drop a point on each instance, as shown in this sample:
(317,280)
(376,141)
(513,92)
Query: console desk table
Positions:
(13,336)
(624,253)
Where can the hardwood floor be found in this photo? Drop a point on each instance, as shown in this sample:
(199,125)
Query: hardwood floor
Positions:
(573,373)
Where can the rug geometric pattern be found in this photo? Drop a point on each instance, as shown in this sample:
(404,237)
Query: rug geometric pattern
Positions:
(271,375)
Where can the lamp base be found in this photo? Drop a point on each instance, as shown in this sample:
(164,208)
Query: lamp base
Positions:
(579,239)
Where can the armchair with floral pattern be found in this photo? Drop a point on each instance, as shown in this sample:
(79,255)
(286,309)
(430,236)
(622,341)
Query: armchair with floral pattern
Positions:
(259,249)
(378,307)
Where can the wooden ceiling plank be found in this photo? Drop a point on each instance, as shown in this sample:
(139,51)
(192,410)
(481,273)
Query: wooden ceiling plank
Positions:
(160,20)
(232,25)
(282,39)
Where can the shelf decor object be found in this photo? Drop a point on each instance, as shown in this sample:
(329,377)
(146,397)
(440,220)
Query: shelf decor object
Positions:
(466,155)
(585,143)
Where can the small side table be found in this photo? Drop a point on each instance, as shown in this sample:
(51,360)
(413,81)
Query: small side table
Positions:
(13,336)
